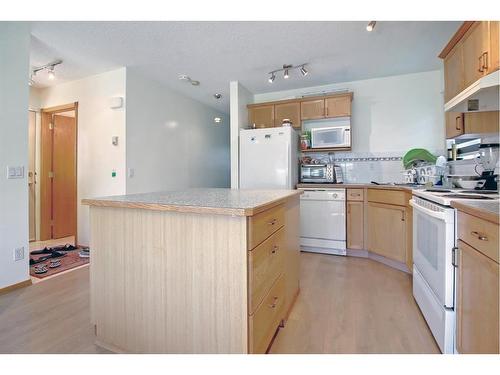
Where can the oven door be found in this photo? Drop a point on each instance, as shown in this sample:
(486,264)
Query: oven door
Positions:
(433,242)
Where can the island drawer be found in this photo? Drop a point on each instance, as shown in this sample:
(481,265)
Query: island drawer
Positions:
(355,194)
(262,225)
(265,264)
(398,198)
(266,319)
(480,234)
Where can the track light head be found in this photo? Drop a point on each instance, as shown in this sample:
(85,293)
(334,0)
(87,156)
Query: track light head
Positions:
(286,75)
(52,74)
(272,78)
(370,26)
(303,70)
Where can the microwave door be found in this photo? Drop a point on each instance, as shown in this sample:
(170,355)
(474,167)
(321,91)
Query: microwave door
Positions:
(331,137)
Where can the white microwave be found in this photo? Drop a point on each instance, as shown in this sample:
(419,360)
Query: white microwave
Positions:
(331,137)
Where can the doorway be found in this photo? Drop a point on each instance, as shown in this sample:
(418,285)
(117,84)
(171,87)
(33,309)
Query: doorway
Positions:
(58,172)
(32,174)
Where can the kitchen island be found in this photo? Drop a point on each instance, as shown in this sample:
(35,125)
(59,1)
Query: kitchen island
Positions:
(195,271)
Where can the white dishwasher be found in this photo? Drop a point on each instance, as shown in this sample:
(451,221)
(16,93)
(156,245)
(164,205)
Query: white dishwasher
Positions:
(322,221)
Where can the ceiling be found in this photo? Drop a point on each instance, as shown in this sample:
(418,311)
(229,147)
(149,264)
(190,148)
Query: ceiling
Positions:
(218,52)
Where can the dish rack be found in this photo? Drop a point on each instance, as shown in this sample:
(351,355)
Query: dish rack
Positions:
(423,173)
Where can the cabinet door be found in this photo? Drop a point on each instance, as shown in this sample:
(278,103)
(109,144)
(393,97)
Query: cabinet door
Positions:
(290,111)
(355,227)
(477,302)
(454,124)
(338,106)
(312,109)
(493,61)
(387,230)
(475,50)
(481,122)
(453,72)
(261,116)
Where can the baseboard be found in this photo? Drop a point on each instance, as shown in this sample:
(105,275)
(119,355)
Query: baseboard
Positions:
(10,288)
(379,258)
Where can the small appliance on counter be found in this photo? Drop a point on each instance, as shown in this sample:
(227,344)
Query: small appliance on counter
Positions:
(321,173)
(488,159)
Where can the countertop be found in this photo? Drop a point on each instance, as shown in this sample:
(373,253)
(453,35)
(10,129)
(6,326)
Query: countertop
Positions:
(489,211)
(211,201)
(360,186)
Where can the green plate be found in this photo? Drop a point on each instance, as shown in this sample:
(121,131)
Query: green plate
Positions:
(416,155)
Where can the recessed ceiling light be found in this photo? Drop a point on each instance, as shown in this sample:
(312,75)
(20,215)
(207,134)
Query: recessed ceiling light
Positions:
(217,120)
(217,96)
(370,26)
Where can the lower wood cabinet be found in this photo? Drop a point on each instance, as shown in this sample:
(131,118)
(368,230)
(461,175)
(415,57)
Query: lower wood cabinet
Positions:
(355,225)
(477,302)
(386,232)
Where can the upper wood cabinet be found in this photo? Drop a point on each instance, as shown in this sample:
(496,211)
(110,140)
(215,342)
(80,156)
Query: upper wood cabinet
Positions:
(471,123)
(453,72)
(262,116)
(471,54)
(312,109)
(454,124)
(338,106)
(289,111)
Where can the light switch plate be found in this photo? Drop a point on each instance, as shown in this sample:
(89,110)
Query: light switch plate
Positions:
(15,172)
(19,253)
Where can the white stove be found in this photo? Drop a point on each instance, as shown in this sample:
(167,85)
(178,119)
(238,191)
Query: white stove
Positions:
(434,251)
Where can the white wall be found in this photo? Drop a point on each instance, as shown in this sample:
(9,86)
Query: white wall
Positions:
(389,114)
(239,98)
(14,73)
(97,123)
(172,140)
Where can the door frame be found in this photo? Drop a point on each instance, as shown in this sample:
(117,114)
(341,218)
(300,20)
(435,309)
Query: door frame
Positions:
(45,159)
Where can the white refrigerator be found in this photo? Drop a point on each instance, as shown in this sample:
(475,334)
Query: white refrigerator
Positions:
(269,158)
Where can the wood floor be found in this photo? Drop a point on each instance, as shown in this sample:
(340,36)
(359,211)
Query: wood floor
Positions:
(346,305)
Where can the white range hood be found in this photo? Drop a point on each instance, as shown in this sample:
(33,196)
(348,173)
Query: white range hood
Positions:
(484,89)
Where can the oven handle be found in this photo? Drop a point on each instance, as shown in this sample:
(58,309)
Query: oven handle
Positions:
(434,214)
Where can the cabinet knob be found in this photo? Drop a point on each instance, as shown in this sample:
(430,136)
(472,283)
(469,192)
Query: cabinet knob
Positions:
(272,222)
(274,249)
(479,236)
(274,303)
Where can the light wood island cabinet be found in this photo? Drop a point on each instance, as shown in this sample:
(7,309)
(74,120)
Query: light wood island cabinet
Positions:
(197,271)
(477,264)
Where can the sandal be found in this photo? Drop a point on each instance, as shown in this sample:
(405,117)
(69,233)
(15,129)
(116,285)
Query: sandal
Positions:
(40,269)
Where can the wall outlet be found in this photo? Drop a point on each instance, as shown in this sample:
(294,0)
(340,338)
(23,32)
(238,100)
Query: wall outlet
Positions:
(19,253)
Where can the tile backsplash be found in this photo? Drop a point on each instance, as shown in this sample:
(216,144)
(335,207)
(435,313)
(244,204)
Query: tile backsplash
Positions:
(364,167)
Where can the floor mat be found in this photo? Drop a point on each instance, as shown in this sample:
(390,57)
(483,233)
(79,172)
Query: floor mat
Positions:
(69,261)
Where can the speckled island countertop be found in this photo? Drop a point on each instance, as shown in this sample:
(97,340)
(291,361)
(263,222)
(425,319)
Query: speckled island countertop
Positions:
(213,201)
(489,211)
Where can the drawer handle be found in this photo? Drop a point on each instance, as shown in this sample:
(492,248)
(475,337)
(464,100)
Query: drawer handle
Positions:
(480,67)
(274,303)
(485,60)
(274,249)
(479,236)
(272,222)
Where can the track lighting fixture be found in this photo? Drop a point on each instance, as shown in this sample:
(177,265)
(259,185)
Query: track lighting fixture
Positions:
(48,67)
(286,71)
(370,26)
(184,77)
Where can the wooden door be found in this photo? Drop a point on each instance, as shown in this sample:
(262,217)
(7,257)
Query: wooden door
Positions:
(64,180)
(494,58)
(289,111)
(312,109)
(387,230)
(58,175)
(475,44)
(477,302)
(453,72)
(454,124)
(261,116)
(31,174)
(355,227)
(481,122)
(338,106)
